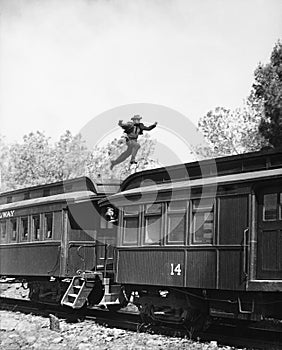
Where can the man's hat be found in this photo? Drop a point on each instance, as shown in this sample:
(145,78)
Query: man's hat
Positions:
(137,116)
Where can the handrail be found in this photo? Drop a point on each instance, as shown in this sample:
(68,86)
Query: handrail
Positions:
(245,247)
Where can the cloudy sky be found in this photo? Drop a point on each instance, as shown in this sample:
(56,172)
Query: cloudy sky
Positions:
(63,62)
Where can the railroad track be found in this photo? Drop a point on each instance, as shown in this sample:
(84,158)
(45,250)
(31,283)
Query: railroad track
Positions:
(224,334)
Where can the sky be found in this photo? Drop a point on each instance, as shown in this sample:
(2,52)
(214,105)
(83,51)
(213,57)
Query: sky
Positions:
(64,62)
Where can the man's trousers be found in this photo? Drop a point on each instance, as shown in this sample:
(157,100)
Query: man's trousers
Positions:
(132,149)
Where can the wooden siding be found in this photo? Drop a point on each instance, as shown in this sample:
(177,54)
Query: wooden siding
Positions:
(233,219)
(201,268)
(231,269)
(30,259)
(150,266)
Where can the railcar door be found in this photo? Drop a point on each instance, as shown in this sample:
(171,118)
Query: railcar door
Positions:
(269,240)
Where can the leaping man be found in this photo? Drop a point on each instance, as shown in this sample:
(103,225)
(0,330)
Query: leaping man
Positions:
(132,130)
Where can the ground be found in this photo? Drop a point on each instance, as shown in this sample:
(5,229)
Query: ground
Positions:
(29,332)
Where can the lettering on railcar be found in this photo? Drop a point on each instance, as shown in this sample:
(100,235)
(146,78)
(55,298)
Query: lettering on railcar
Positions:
(7,214)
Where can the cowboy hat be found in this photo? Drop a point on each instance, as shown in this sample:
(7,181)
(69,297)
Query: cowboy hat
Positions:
(137,116)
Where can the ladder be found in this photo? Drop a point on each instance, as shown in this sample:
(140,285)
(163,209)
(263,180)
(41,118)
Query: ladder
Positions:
(79,289)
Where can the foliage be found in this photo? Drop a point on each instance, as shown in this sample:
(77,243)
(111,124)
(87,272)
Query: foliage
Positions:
(38,161)
(99,163)
(28,162)
(268,89)
(257,124)
(4,150)
(69,157)
(230,132)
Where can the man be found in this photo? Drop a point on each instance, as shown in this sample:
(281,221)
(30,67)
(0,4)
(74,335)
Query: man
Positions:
(133,130)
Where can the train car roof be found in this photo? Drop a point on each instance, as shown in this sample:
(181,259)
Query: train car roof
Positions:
(152,192)
(61,187)
(70,198)
(255,161)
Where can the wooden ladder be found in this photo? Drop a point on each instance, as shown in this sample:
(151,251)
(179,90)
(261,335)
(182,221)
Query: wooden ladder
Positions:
(78,292)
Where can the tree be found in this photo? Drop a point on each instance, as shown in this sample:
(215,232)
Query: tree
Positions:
(4,153)
(268,89)
(36,161)
(230,132)
(69,157)
(29,162)
(99,163)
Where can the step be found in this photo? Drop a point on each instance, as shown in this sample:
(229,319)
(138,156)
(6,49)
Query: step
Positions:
(77,287)
(67,303)
(73,295)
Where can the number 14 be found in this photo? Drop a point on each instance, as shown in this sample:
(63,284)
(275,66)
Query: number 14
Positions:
(176,269)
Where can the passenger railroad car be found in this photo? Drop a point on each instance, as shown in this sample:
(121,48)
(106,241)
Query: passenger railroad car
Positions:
(55,238)
(204,240)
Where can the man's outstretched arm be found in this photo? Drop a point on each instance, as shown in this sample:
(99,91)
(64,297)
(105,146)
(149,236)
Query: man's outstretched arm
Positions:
(148,128)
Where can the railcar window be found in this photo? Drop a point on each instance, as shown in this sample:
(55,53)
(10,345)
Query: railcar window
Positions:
(153,224)
(36,227)
(104,223)
(154,208)
(203,221)
(176,222)
(3,231)
(14,229)
(270,205)
(48,226)
(280,207)
(131,210)
(24,229)
(130,225)
(130,233)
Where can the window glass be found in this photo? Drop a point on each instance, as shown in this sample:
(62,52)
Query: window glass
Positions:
(152,229)
(203,204)
(131,210)
(104,223)
(203,228)
(48,227)
(177,205)
(14,228)
(176,229)
(270,207)
(203,221)
(280,207)
(130,232)
(3,231)
(36,227)
(24,229)
(154,208)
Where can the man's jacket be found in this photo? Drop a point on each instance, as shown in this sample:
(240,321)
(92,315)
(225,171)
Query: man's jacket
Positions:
(134,130)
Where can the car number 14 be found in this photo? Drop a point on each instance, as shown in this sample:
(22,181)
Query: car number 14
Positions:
(175,270)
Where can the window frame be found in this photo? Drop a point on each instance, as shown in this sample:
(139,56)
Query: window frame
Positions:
(278,209)
(21,228)
(45,238)
(184,212)
(11,231)
(200,210)
(32,230)
(4,241)
(146,213)
(125,216)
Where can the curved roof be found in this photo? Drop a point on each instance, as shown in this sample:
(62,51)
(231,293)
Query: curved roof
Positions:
(241,163)
(187,184)
(73,197)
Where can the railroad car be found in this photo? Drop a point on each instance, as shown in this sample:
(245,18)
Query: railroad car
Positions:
(204,240)
(56,240)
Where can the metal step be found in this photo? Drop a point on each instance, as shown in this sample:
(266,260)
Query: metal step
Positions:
(73,295)
(77,293)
